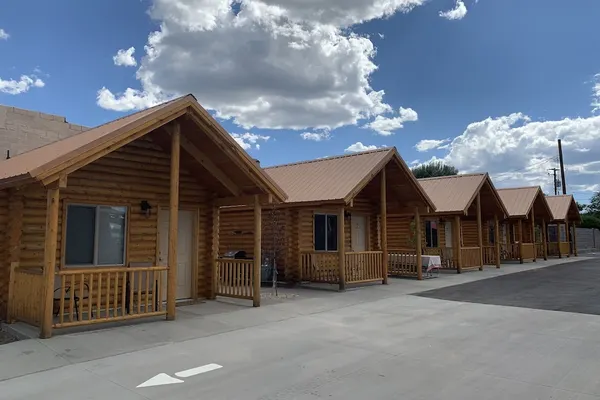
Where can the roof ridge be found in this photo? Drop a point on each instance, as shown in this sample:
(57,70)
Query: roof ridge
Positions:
(521,187)
(453,176)
(385,149)
(559,195)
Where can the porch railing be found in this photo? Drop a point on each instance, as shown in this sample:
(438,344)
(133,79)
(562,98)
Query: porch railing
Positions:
(539,250)
(470,257)
(446,254)
(528,251)
(565,248)
(489,255)
(319,267)
(235,278)
(364,266)
(26,290)
(510,251)
(88,296)
(553,249)
(402,262)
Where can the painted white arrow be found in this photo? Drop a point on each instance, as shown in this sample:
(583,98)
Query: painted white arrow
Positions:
(164,379)
(196,371)
(159,380)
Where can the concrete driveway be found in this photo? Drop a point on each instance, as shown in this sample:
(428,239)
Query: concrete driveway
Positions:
(378,342)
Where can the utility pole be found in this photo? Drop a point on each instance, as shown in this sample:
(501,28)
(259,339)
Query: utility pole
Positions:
(554,181)
(562,168)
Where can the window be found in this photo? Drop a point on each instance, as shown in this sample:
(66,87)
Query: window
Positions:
(95,235)
(431,234)
(491,232)
(326,232)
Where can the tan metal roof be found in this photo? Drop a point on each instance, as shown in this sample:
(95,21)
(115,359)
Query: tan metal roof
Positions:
(337,178)
(563,207)
(453,194)
(518,201)
(64,156)
(456,193)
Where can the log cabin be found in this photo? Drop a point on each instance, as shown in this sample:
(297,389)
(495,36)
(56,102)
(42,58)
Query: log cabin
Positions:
(457,230)
(524,230)
(562,235)
(121,221)
(332,227)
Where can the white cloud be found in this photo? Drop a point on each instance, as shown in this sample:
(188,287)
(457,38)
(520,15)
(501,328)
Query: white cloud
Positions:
(596,94)
(249,140)
(517,151)
(358,146)
(125,57)
(431,144)
(23,85)
(415,162)
(289,64)
(3,34)
(386,126)
(316,136)
(458,12)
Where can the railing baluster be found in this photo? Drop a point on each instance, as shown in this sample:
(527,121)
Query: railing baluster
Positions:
(91,297)
(123,294)
(147,292)
(71,297)
(99,299)
(107,309)
(139,291)
(62,299)
(81,297)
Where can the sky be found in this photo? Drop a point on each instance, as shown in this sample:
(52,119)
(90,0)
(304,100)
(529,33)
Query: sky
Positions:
(485,85)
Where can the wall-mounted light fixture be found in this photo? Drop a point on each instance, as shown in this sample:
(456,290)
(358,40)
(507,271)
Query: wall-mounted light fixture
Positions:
(146,208)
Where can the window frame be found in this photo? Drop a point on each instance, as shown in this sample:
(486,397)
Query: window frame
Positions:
(437,231)
(326,215)
(96,206)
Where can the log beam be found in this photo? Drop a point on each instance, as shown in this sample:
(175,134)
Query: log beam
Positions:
(264,199)
(173,221)
(457,244)
(383,213)
(257,252)
(574,240)
(419,244)
(544,239)
(521,241)
(497,238)
(479,231)
(50,244)
(533,240)
(341,250)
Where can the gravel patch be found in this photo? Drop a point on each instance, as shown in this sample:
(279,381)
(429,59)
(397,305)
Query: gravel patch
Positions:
(6,338)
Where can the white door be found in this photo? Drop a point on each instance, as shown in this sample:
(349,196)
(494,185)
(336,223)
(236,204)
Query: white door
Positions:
(359,233)
(185,249)
(448,232)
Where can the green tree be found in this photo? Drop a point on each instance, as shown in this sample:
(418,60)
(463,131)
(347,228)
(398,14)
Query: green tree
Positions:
(434,168)
(581,207)
(594,206)
(590,221)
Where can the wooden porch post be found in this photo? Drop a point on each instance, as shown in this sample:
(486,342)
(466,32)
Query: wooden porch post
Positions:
(497,239)
(567,237)
(521,241)
(214,273)
(419,244)
(558,239)
(574,240)
(15,231)
(257,252)
(383,227)
(51,239)
(342,250)
(544,239)
(173,221)
(533,234)
(457,243)
(479,232)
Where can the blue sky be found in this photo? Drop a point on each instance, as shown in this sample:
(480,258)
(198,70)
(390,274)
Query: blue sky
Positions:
(501,82)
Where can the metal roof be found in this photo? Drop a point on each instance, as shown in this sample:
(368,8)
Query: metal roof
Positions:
(453,194)
(518,201)
(563,207)
(46,162)
(337,178)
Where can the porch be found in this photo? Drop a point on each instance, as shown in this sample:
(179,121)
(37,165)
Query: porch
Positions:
(358,267)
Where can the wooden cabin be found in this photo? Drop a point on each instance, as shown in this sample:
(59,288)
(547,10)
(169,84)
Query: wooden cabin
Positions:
(115,222)
(332,227)
(524,231)
(562,235)
(456,231)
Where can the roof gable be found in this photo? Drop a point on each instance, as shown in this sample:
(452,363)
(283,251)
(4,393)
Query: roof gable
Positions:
(46,163)
(563,207)
(338,178)
(519,201)
(452,194)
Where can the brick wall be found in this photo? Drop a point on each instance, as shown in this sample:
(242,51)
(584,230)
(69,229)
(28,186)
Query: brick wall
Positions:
(24,130)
